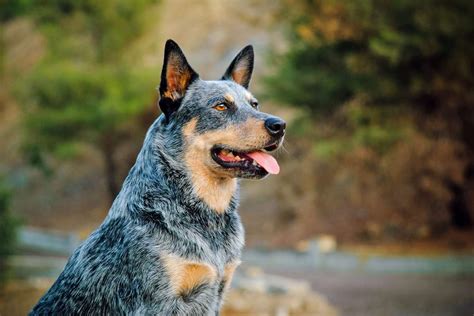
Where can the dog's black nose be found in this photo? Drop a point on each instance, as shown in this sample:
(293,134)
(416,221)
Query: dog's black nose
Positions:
(275,126)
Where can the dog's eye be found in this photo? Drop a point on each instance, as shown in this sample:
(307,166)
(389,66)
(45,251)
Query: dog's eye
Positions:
(220,107)
(254,104)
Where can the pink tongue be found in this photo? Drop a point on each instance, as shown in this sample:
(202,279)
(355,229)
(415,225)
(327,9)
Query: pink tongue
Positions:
(266,161)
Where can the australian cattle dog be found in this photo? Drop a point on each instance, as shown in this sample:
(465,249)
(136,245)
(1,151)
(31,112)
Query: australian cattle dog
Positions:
(173,237)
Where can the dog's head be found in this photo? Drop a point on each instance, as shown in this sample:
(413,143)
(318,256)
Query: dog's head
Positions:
(223,132)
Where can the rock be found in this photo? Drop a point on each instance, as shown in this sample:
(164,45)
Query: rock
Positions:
(242,303)
(326,243)
(261,294)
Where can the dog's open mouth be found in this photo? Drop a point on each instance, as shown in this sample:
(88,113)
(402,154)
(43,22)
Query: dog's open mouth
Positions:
(256,161)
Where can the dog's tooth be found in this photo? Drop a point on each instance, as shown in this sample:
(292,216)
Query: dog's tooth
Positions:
(230,154)
(225,151)
(254,163)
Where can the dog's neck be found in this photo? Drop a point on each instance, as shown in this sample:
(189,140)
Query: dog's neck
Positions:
(156,178)
(216,192)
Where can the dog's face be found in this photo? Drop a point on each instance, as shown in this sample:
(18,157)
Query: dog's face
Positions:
(224,134)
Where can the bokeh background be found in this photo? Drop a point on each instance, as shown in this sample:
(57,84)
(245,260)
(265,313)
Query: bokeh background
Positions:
(373,211)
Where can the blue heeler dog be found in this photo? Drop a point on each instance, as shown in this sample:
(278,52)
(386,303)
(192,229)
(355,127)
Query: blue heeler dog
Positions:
(173,237)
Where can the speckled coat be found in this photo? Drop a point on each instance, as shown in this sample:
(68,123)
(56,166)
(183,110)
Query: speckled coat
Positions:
(173,237)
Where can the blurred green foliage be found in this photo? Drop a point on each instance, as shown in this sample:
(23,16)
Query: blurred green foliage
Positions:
(85,89)
(72,104)
(412,54)
(314,78)
(404,52)
(364,126)
(385,89)
(8,229)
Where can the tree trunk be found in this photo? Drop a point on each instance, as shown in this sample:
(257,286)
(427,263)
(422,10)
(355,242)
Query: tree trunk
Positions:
(462,206)
(108,152)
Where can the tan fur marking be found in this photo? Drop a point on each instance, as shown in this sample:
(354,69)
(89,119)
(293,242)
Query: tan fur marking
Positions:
(240,73)
(173,95)
(184,275)
(213,187)
(248,95)
(177,79)
(229,97)
(229,273)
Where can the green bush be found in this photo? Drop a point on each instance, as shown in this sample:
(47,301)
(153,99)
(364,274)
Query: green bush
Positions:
(8,229)
(86,89)
(66,103)
(394,52)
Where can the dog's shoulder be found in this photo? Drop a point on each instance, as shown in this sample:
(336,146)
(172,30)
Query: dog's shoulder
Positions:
(109,265)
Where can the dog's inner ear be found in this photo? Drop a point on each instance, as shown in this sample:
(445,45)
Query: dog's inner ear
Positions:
(240,69)
(176,77)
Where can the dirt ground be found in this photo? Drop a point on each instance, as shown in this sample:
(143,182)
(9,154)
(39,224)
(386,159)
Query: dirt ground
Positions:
(17,298)
(358,294)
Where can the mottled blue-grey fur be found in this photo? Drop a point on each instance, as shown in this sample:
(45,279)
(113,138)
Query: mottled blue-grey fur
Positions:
(119,269)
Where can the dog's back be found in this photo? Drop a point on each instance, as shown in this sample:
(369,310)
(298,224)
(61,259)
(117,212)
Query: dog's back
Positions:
(173,237)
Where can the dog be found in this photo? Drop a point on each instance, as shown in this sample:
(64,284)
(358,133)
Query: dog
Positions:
(173,237)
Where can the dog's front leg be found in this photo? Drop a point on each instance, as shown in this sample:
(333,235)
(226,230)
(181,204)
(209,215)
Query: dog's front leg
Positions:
(225,283)
(193,285)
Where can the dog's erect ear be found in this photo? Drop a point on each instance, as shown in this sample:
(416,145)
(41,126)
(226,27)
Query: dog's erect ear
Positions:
(176,77)
(240,69)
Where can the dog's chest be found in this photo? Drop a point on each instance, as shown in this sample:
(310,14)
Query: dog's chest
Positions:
(205,259)
(185,276)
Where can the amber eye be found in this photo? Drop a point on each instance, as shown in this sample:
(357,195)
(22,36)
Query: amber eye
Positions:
(220,107)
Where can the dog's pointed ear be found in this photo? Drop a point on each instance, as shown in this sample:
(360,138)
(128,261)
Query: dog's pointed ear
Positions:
(176,77)
(240,69)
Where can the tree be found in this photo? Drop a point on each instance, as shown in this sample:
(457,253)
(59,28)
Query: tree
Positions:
(70,104)
(412,54)
(8,228)
(85,90)
(395,52)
